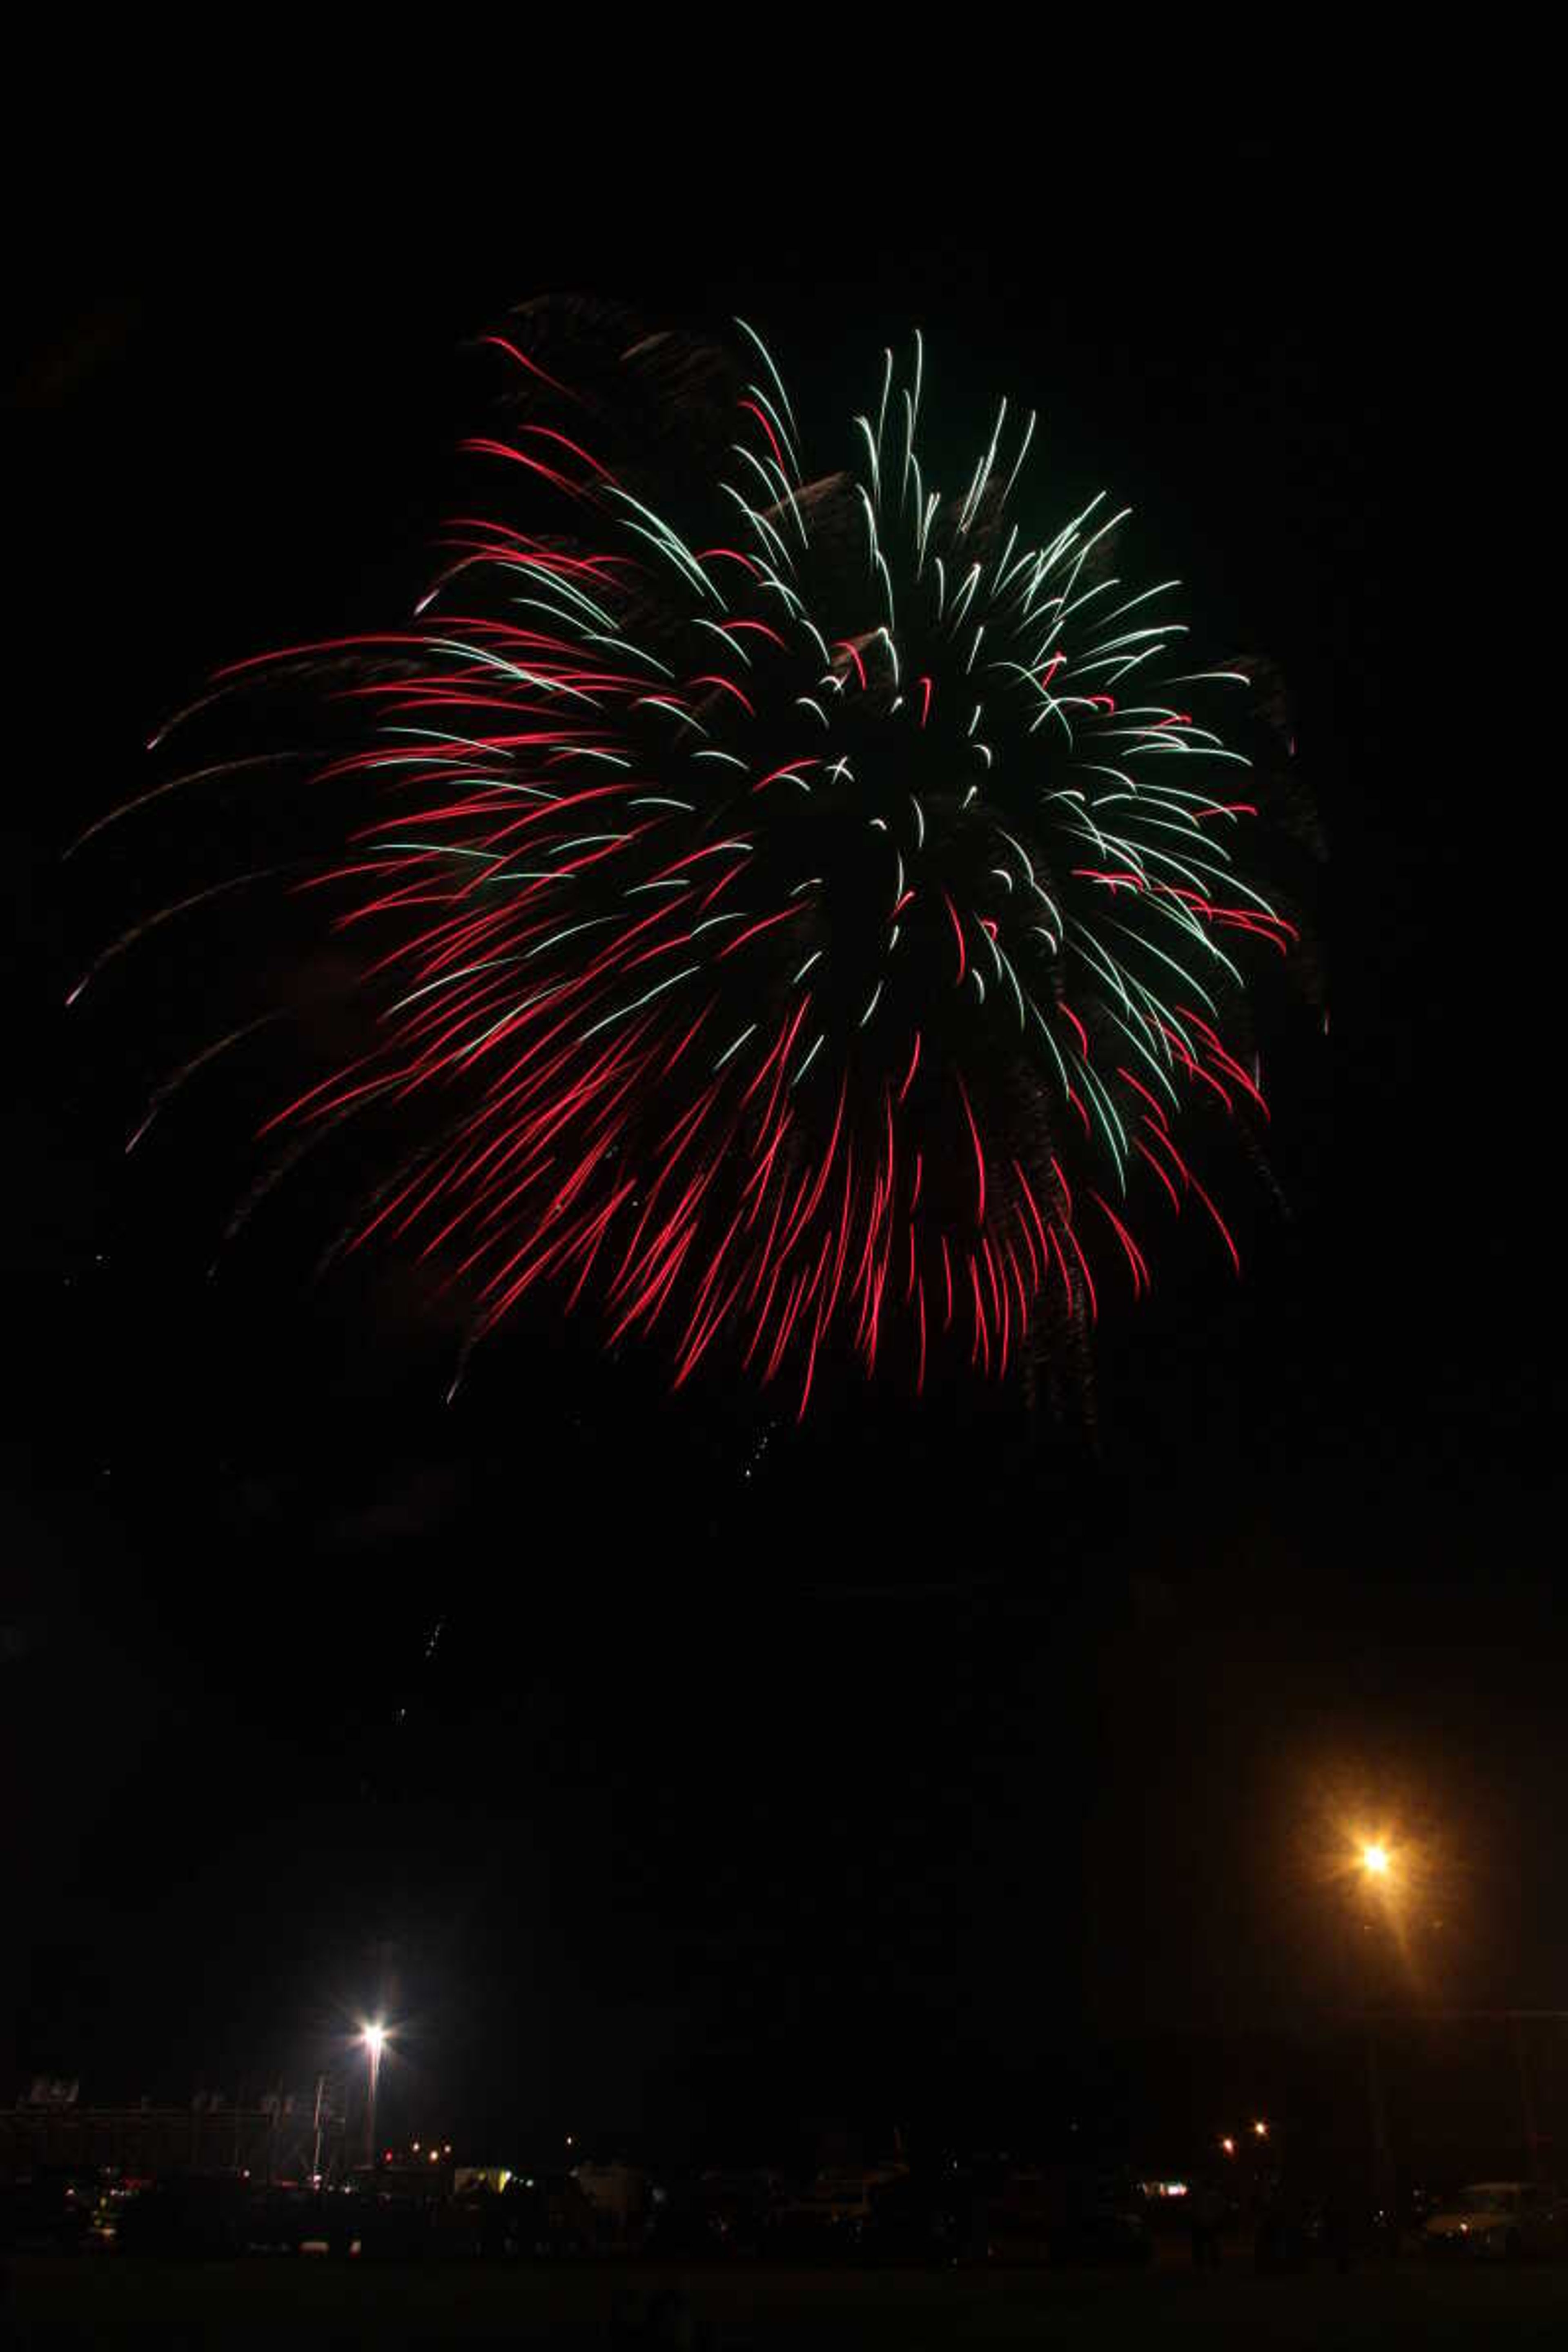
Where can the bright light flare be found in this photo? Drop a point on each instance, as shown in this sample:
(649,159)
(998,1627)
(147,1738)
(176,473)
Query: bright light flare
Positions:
(375,2039)
(1375,1860)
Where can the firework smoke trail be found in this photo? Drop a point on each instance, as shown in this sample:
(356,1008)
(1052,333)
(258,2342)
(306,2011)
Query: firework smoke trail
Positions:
(802,912)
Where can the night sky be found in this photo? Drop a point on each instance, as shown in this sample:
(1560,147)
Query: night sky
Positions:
(664,1768)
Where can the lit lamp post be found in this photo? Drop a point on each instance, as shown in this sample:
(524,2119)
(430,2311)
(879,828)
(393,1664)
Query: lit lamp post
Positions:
(374,2039)
(1376,1866)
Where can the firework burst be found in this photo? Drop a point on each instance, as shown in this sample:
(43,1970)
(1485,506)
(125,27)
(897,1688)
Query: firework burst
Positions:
(801,912)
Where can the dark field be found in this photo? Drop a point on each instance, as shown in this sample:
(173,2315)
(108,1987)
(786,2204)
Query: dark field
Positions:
(311,2304)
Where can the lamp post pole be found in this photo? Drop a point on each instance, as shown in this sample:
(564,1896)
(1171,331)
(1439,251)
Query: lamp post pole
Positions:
(375,2043)
(1376,1866)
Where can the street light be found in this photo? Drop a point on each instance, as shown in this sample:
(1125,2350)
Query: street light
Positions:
(1261,2129)
(374,2039)
(1376,1864)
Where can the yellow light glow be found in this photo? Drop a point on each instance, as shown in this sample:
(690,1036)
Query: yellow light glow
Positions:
(1228,2146)
(1261,2129)
(1374,1861)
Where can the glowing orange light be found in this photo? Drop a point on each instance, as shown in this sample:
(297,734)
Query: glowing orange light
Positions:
(1374,1861)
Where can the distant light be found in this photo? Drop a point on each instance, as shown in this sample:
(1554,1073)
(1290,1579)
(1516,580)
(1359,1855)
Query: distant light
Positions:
(1228,2146)
(375,2039)
(1375,1860)
(416,2147)
(1260,2130)
(435,2155)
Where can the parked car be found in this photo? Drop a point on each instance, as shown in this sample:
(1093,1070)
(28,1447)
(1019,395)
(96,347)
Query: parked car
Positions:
(832,2216)
(1498,2220)
(717,2215)
(391,2213)
(1305,2218)
(50,2212)
(737,2206)
(545,2214)
(187,2216)
(285,2217)
(1102,2219)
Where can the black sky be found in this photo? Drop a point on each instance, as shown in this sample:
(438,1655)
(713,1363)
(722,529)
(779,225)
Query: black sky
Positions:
(853,1766)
